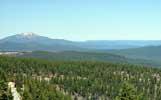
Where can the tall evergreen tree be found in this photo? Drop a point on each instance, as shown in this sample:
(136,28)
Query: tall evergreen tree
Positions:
(5,93)
(127,92)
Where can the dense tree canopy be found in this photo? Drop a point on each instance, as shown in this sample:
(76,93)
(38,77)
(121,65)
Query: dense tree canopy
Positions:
(65,80)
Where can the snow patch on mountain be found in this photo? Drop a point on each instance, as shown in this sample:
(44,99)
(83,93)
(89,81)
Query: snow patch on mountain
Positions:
(28,34)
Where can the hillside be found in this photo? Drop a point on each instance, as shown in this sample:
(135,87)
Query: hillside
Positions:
(148,52)
(75,56)
(88,56)
(59,80)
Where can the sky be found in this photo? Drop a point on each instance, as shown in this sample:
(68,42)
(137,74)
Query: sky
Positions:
(81,20)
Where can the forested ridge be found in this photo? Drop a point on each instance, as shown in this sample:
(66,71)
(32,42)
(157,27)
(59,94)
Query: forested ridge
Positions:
(38,79)
(87,56)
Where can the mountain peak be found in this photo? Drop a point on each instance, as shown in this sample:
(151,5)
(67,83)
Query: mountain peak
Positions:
(27,34)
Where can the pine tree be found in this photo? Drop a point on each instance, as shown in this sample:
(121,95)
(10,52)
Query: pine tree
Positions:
(127,92)
(4,91)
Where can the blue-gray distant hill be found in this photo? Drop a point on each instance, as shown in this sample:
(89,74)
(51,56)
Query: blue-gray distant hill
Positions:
(118,44)
(32,42)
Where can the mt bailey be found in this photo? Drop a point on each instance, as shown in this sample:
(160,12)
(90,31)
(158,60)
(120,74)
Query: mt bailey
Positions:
(31,42)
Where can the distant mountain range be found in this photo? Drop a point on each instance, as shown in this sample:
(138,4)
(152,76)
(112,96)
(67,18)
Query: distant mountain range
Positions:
(127,51)
(32,42)
(118,44)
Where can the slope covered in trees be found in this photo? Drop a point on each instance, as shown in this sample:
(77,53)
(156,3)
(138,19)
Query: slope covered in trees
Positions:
(61,80)
(75,56)
(147,52)
(5,93)
(87,56)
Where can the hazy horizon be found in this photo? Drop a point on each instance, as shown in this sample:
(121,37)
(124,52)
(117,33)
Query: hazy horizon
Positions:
(83,20)
(84,40)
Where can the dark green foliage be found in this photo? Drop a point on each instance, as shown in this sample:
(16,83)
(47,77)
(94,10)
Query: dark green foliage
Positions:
(75,56)
(5,93)
(88,56)
(127,92)
(36,90)
(85,79)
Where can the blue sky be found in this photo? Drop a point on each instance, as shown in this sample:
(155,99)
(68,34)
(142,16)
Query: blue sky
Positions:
(83,19)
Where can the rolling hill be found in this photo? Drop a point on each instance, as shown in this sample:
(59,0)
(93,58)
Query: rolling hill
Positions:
(88,56)
(148,52)
(74,56)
